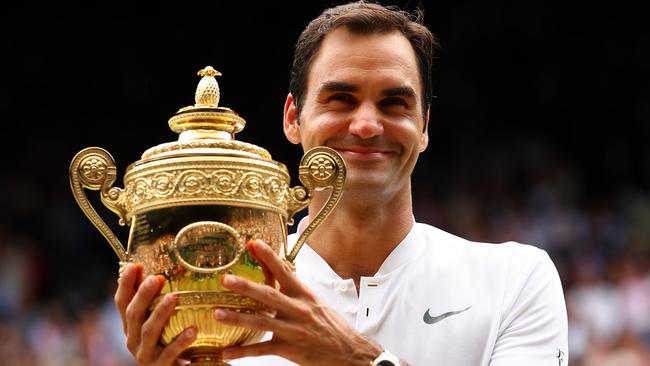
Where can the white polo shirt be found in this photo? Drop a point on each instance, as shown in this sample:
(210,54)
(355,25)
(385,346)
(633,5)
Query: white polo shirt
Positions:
(440,299)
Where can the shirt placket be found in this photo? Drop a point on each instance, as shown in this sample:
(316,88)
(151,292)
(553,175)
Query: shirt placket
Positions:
(370,303)
(346,295)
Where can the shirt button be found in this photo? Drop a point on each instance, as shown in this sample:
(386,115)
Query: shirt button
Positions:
(343,287)
(352,310)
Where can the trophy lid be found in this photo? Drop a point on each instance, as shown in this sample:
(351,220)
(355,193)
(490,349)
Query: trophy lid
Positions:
(206,165)
(205,127)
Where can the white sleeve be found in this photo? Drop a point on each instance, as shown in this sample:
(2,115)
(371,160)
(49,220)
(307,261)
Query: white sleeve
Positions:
(533,327)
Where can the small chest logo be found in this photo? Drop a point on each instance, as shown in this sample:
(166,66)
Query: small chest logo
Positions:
(434,319)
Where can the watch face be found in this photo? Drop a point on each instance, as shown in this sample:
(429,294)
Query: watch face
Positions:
(385,363)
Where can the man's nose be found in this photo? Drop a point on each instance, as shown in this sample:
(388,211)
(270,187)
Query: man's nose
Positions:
(366,122)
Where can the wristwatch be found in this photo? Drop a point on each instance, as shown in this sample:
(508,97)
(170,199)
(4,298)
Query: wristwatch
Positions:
(385,359)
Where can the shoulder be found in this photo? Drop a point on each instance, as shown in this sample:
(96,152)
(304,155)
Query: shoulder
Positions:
(512,253)
(508,268)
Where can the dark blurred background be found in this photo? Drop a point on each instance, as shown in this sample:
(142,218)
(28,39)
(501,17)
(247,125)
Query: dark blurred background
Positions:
(539,133)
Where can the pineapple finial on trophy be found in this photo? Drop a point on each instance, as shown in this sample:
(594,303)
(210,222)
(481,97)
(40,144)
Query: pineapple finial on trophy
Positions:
(206,119)
(207,92)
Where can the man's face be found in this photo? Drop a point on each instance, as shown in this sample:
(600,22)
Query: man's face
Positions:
(363,99)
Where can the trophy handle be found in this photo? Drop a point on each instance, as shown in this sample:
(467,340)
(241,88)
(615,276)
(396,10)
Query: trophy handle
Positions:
(94,168)
(206,230)
(321,167)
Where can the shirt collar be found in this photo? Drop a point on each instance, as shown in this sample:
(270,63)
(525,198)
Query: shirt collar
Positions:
(410,247)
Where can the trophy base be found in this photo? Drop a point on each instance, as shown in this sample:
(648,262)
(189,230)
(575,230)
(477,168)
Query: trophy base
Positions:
(214,360)
(197,308)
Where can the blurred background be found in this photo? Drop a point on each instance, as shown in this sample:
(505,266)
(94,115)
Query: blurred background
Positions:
(539,133)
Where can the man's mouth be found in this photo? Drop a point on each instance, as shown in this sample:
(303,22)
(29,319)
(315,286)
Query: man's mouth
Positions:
(362,152)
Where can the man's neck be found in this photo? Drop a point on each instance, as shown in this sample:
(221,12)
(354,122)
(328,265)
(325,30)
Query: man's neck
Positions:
(358,237)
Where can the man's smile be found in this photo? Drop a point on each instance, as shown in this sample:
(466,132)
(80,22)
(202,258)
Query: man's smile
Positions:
(363,152)
(363,155)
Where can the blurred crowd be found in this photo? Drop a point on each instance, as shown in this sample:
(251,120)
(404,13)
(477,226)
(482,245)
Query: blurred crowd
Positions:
(58,276)
(572,75)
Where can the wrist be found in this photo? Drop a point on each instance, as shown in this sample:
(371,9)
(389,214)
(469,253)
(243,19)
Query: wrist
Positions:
(364,351)
(373,354)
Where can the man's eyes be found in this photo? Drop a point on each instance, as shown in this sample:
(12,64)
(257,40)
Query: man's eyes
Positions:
(349,99)
(346,98)
(393,101)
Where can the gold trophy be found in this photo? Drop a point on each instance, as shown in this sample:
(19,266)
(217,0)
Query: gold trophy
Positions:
(192,204)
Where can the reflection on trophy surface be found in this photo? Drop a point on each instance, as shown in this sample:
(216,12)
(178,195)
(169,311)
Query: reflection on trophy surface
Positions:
(192,204)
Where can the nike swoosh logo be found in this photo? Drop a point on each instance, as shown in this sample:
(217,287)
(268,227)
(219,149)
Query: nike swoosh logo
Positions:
(434,319)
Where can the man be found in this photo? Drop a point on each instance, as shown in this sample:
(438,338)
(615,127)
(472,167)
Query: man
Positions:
(372,287)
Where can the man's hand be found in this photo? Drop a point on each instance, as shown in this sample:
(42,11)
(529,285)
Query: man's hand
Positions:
(133,299)
(305,330)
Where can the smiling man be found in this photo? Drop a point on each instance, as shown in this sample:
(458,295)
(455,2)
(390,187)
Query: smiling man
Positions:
(373,287)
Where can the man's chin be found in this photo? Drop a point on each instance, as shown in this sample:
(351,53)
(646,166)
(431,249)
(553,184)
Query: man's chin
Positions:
(364,182)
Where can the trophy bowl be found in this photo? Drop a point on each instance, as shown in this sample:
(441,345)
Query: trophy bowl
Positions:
(192,204)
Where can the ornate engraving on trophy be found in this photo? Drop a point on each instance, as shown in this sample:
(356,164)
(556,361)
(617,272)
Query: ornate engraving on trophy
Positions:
(192,205)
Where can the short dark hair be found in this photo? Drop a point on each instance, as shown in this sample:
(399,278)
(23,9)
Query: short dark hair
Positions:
(362,17)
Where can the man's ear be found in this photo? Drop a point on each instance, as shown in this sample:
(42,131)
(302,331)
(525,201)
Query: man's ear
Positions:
(424,138)
(291,124)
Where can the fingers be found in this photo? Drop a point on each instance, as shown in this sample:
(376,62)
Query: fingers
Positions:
(127,286)
(173,350)
(259,322)
(278,268)
(136,311)
(262,293)
(153,327)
